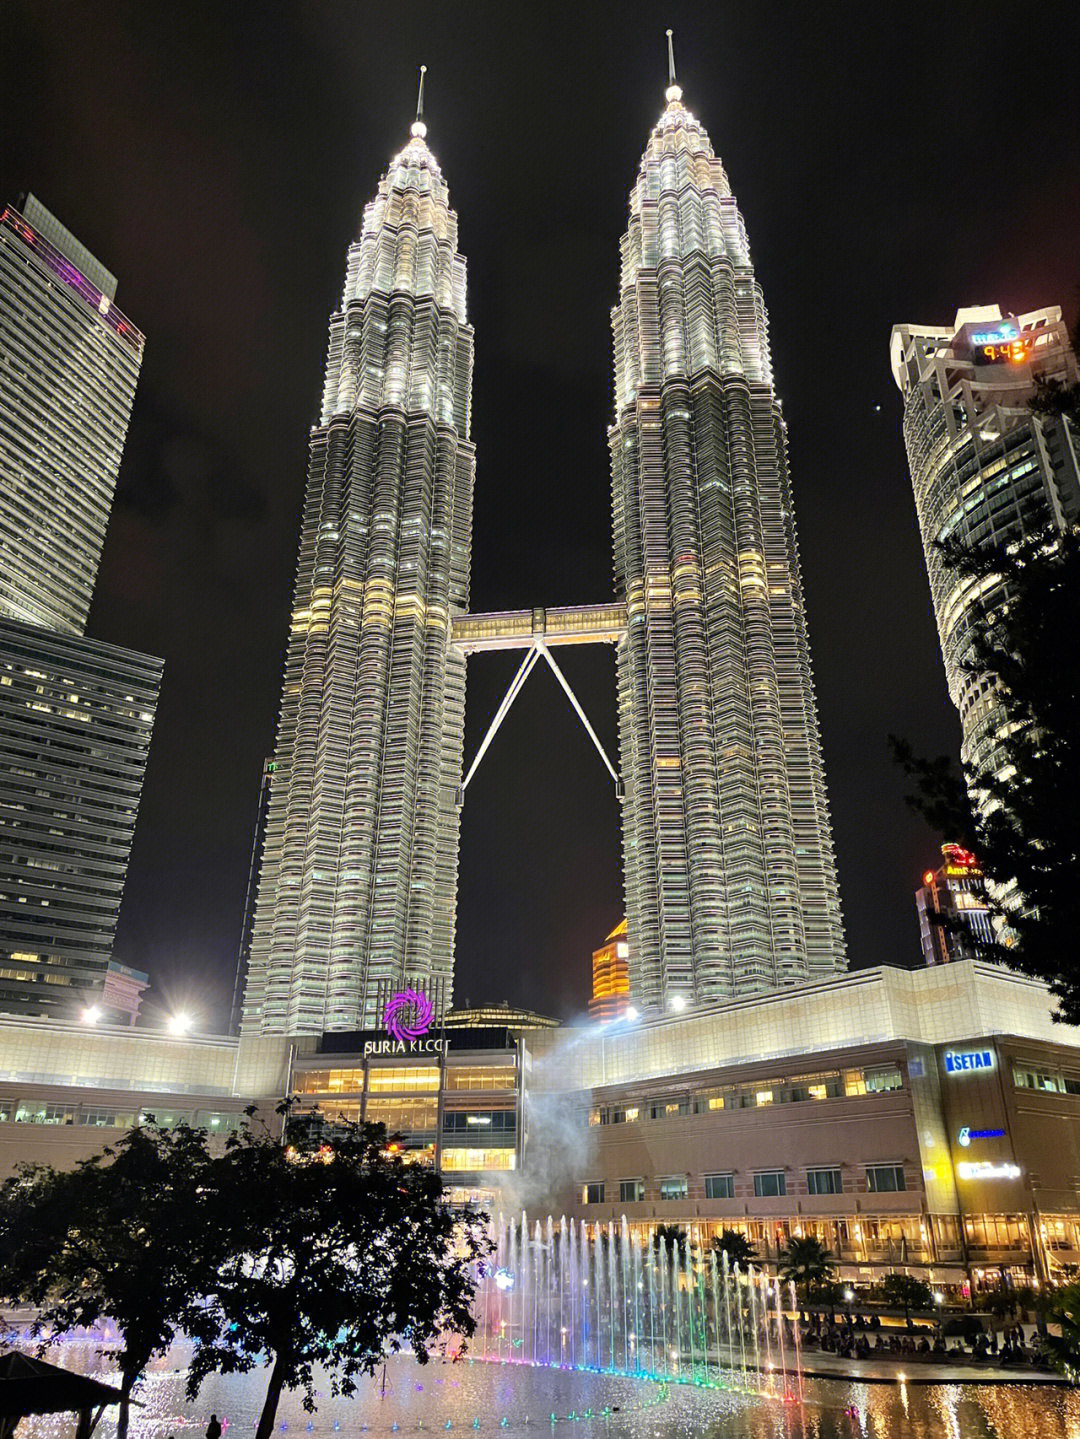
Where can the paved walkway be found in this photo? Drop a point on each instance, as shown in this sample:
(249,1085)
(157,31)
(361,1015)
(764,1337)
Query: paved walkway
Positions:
(887,1370)
(816,1365)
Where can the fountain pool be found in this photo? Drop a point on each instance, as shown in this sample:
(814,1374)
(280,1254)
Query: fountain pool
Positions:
(477,1397)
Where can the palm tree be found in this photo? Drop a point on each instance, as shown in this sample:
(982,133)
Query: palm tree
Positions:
(736,1246)
(1063,1350)
(670,1237)
(808,1264)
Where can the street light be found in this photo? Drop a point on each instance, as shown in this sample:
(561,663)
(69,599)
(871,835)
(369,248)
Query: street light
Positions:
(678,1003)
(91,1014)
(632,1013)
(179,1023)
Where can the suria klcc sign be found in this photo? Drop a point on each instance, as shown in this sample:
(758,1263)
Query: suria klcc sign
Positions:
(408,1016)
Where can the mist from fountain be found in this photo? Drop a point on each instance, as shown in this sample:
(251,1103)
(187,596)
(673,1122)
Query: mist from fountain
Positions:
(614,1300)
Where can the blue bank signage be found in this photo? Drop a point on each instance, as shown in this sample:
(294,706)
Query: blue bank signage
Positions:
(962,1061)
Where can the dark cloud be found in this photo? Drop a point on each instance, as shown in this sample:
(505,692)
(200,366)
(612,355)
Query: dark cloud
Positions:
(218,157)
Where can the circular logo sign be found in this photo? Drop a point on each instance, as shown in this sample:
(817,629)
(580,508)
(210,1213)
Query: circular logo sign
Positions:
(408,1014)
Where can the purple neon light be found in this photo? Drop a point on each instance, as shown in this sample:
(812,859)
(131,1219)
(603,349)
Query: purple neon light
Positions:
(74,279)
(405,1025)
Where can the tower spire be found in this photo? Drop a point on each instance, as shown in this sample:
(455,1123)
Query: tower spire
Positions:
(419,129)
(673,92)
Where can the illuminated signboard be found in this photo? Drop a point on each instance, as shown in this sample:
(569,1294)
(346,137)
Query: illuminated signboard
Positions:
(962,1061)
(997,335)
(985,1169)
(408,1014)
(1003,345)
(966,1135)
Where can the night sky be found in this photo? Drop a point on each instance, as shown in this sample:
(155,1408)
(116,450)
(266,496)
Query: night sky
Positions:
(217,158)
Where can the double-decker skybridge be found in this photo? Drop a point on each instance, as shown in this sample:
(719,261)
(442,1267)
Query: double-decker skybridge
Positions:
(537,631)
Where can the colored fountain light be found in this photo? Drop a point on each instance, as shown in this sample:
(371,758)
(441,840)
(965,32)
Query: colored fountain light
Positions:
(408,1015)
(608,1299)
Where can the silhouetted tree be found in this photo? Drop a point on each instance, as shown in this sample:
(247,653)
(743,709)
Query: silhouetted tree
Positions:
(335,1253)
(809,1265)
(736,1246)
(119,1237)
(904,1291)
(671,1237)
(1025,825)
(1063,1350)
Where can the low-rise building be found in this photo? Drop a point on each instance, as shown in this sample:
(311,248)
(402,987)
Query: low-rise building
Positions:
(925,1120)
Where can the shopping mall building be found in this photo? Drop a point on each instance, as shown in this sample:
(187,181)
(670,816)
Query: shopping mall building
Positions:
(927,1120)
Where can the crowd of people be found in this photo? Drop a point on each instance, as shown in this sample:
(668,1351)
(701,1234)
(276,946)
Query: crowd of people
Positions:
(856,1337)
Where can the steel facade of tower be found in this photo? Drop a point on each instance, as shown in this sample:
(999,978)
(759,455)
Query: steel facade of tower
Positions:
(730,876)
(985,470)
(359,874)
(70,362)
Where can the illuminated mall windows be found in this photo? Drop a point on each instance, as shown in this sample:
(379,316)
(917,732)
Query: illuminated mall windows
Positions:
(885,1179)
(824,1181)
(719,1186)
(770,1184)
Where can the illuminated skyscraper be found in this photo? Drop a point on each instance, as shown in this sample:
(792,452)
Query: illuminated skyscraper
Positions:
(954,918)
(730,877)
(359,873)
(75,714)
(69,362)
(985,469)
(611,977)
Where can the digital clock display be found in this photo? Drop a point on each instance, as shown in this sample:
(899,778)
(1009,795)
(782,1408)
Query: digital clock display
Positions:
(1005,351)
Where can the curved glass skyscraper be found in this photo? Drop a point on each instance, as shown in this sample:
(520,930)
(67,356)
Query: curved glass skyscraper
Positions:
(730,876)
(985,469)
(359,875)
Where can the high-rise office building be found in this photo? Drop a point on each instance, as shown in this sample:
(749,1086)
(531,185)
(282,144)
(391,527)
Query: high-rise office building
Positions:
(75,723)
(954,917)
(730,877)
(985,470)
(359,872)
(610,997)
(75,714)
(69,362)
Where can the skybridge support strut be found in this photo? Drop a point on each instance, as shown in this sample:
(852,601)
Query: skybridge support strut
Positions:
(535,650)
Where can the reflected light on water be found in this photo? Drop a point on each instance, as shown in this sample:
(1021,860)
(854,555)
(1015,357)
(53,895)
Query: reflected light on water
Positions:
(474,1396)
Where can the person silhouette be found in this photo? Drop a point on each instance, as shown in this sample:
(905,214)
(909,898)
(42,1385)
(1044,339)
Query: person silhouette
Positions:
(213,1429)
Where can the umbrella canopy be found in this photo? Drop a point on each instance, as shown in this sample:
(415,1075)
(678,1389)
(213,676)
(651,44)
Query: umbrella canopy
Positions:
(30,1386)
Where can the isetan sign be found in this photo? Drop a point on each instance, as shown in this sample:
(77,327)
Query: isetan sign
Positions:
(962,1061)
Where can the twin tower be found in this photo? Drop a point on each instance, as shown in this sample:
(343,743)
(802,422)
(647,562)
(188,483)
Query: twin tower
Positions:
(730,877)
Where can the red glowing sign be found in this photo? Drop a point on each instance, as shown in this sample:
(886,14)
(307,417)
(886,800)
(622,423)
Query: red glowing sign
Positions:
(962,858)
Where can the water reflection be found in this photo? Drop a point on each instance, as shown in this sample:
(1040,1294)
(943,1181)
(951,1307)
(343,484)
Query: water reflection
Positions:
(487,1398)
